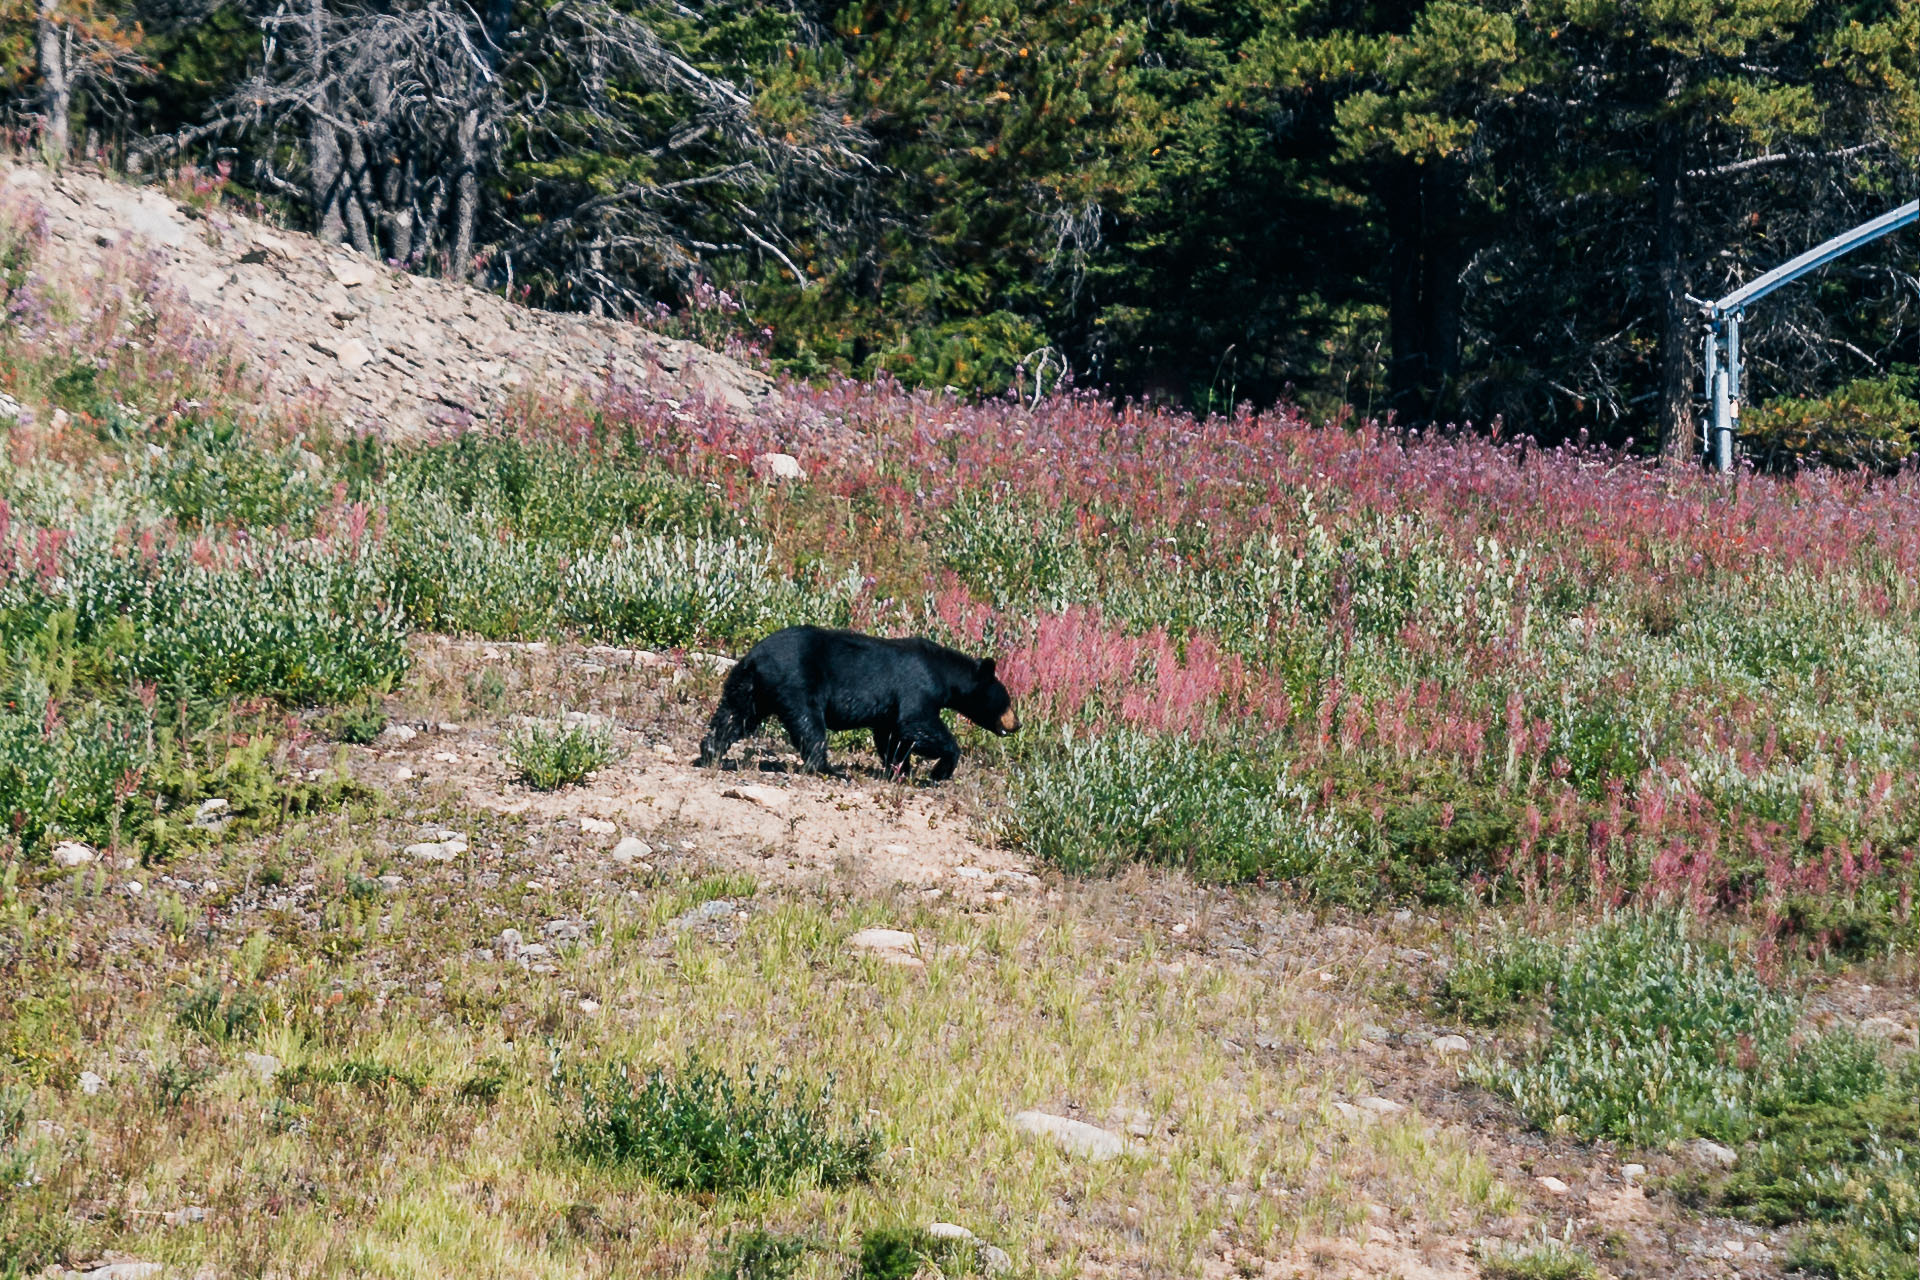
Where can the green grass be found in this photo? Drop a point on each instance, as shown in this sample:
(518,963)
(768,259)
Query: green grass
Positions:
(1549,1259)
(547,758)
(701,1130)
(1848,1167)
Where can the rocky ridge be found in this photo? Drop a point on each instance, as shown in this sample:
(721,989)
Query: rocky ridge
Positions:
(375,347)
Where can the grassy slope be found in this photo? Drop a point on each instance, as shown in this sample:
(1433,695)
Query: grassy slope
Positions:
(1437,673)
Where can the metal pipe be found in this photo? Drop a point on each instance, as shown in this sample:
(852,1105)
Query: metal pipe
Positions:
(1712,359)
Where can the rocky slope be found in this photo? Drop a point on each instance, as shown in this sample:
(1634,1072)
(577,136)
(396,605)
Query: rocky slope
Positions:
(374,347)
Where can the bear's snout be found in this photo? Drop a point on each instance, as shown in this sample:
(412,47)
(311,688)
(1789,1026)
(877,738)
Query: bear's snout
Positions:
(1009,721)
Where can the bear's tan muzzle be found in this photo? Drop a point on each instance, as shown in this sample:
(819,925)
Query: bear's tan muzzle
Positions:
(1009,721)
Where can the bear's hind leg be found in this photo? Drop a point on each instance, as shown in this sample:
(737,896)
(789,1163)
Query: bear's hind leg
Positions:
(896,755)
(931,738)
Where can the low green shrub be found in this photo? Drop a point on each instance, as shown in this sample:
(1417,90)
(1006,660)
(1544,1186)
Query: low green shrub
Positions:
(1845,1162)
(1656,1034)
(676,590)
(1094,803)
(758,1254)
(548,758)
(703,1131)
(1549,1259)
(902,1253)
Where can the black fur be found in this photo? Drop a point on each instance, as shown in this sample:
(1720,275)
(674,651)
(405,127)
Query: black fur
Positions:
(813,680)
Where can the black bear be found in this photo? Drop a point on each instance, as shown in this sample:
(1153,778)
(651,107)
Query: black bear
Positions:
(812,680)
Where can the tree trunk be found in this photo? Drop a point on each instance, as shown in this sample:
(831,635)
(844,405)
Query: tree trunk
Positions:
(323,144)
(359,196)
(1676,329)
(56,79)
(466,202)
(1425,249)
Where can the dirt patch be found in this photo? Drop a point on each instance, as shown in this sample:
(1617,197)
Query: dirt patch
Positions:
(864,831)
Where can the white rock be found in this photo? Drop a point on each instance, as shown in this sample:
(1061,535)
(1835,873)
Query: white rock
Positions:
(135,888)
(1709,1152)
(448,726)
(403,774)
(631,850)
(766,797)
(1446,1046)
(436,850)
(996,1260)
(1381,1106)
(597,827)
(125,1271)
(92,1082)
(778,466)
(948,1231)
(400,733)
(71,853)
(209,808)
(264,1065)
(884,940)
(563,930)
(447,757)
(392,884)
(665,751)
(1077,1136)
(589,1006)
(1633,1172)
(509,943)
(352,272)
(1552,1185)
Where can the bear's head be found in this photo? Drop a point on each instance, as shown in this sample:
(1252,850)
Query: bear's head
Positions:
(987,703)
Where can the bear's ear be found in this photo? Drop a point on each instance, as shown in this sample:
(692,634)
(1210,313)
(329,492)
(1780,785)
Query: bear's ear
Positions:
(986,668)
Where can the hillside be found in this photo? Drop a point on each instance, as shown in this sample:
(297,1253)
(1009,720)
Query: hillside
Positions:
(364,344)
(1422,857)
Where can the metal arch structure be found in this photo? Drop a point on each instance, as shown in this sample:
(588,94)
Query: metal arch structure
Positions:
(1723,366)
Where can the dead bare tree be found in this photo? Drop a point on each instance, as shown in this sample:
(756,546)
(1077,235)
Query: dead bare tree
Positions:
(398,116)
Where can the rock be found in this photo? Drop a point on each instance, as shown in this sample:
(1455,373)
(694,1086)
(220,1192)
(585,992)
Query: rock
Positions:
(884,940)
(665,751)
(509,943)
(436,850)
(707,912)
(1882,1028)
(631,851)
(1381,1106)
(447,757)
(563,930)
(135,888)
(71,853)
(403,774)
(91,1082)
(596,827)
(208,808)
(447,726)
(589,1006)
(778,466)
(1088,1141)
(263,1065)
(354,273)
(1447,1046)
(1706,1151)
(400,733)
(1633,1172)
(392,884)
(125,1271)
(765,797)
(995,1260)
(948,1231)
(1552,1185)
